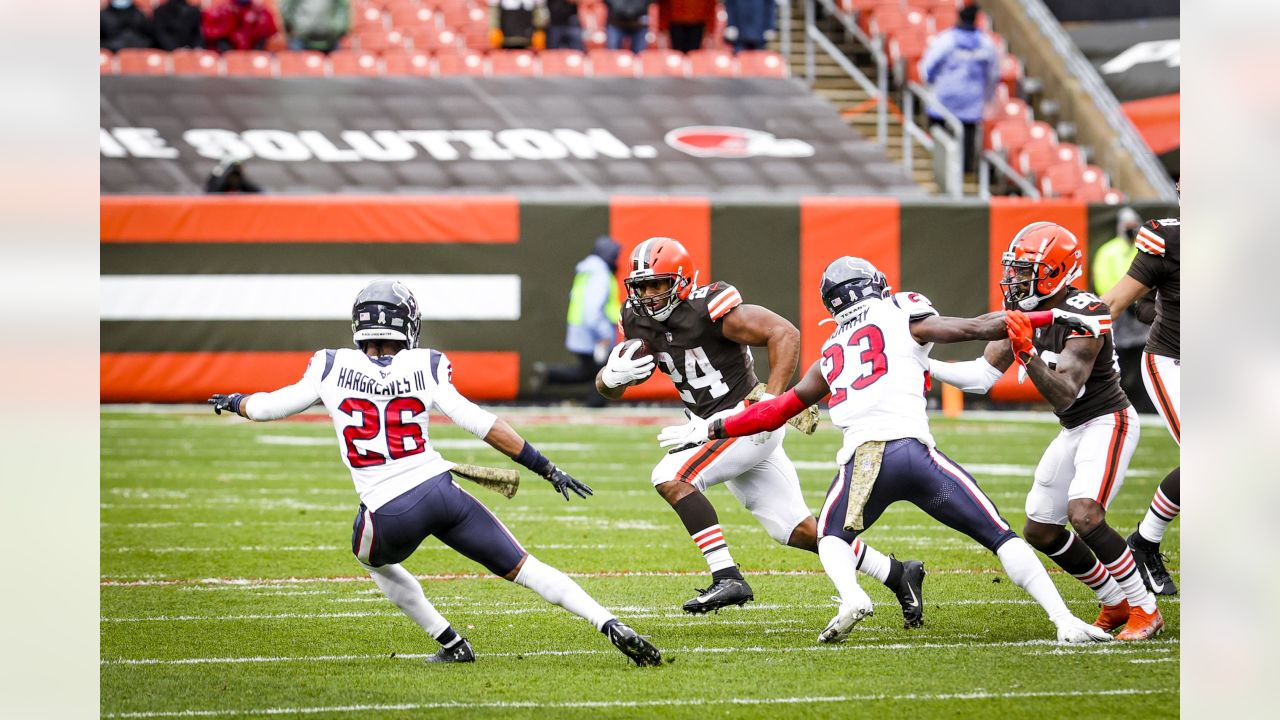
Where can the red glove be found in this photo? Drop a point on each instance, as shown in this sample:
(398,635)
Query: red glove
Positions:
(1018,326)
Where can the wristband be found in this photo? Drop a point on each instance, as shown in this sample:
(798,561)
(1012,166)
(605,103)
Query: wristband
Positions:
(715,431)
(234,400)
(534,460)
(1040,318)
(1025,357)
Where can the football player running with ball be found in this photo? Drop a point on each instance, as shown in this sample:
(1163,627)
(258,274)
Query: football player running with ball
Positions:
(1156,267)
(701,337)
(1083,468)
(875,369)
(379,397)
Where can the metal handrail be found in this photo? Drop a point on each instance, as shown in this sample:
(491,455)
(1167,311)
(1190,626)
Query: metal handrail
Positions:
(954,170)
(881,92)
(784,29)
(991,158)
(1106,101)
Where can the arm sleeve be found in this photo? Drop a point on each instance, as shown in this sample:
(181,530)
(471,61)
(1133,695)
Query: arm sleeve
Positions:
(292,399)
(464,413)
(764,416)
(974,376)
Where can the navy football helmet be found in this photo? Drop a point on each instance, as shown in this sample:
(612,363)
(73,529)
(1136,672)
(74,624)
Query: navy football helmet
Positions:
(848,281)
(385,310)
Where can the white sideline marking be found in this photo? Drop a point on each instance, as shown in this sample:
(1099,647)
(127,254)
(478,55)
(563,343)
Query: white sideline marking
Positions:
(254,659)
(975,695)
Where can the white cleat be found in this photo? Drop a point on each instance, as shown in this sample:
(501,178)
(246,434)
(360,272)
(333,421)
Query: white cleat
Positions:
(841,625)
(1078,632)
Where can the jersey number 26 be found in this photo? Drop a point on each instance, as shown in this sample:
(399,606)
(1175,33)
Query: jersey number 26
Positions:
(403,438)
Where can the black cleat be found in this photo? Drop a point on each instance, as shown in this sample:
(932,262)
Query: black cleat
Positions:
(722,593)
(910,592)
(640,650)
(1151,565)
(460,653)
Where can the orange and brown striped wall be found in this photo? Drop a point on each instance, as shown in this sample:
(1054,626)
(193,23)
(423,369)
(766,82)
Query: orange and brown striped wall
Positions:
(182,275)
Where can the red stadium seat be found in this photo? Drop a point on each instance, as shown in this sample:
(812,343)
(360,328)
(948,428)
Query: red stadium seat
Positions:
(1070,153)
(663,63)
(906,48)
(711,63)
(865,9)
(143,62)
(195,62)
(106,62)
(463,62)
(1009,135)
(1010,72)
(762,63)
(1060,179)
(944,16)
(367,18)
(407,62)
(888,21)
(1096,177)
(455,13)
(612,63)
(409,16)
(475,35)
(301,63)
(1036,155)
(430,38)
(379,40)
(250,63)
(1013,107)
(564,62)
(354,62)
(512,62)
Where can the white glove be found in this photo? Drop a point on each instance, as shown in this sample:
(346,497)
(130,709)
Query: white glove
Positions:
(622,368)
(690,433)
(1095,325)
(1075,631)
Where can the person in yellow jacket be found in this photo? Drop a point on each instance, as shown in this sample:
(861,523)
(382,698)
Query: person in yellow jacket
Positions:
(1110,263)
(595,306)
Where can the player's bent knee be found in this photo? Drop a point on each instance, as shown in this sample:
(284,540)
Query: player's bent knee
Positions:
(1085,515)
(673,491)
(1041,536)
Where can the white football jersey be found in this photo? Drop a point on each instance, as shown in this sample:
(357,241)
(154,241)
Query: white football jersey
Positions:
(877,373)
(380,410)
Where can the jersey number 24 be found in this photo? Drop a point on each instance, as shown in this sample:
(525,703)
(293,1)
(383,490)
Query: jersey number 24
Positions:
(872,362)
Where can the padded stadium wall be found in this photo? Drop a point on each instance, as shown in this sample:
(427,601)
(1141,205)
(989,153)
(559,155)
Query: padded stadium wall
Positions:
(204,294)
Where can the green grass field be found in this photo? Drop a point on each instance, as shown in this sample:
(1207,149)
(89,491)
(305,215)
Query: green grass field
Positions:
(229,590)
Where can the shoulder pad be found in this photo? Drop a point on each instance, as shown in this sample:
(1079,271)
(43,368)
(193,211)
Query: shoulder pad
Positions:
(322,360)
(1150,239)
(721,298)
(914,304)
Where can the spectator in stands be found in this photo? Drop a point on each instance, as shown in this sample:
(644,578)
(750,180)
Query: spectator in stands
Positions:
(686,21)
(238,25)
(315,24)
(122,25)
(229,177)
(963,67)
(595,306)
(517,24)
(749,23)
(564,29)
(177,25)
(1110,263)
(627,21)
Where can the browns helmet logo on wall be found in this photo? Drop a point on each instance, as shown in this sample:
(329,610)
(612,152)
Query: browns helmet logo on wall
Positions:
(724,141)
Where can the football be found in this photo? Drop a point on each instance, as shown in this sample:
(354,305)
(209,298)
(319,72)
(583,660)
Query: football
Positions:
(644,349)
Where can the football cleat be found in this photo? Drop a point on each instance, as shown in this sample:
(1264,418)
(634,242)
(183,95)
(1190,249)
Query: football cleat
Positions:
(1142,625)
(910,594)
(842,624)
(640,650)
(460,653)
(1151,565)
(1078,632)
(723,593)
(1113,616)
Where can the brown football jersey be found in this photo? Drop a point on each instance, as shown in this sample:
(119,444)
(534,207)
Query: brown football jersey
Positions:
(1157,266)
(712,372)
(1101,393)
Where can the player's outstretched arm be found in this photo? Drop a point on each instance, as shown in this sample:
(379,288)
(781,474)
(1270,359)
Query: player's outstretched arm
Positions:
(938,329)
(503,438)
(761,327)
(764,416)
(975,376)
(1061,384)
(1123,294)
(282,403)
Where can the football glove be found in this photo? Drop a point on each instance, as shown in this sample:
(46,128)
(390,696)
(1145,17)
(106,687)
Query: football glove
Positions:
(623,368)
(1093,325)
(563,482)
(693,432)
(1018,328)
(230,402)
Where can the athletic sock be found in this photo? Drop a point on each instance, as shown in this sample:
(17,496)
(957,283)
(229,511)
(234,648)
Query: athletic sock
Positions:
(1077,560)
(403,589)
(1024,569)
(1164,508)
(558,589)
(840,562)
(1114,553)
(873,563)
(449,638)
(700,520)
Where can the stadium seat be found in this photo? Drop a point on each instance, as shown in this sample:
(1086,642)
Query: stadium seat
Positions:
(367,18)
(512,62)
(379,40)
(143,62)
(250,63)
(106,62)
(195,62)
(865,9)
(906,48)
(612,63)
(463,62)
(944,16)
(1094,176)
(1060,179)
(762,63)
(1071,153)
(1010,72)
(1009,135)
(407,62)
(409,16)
(475,35)
(711,63)
(301,63)
(564,62)
(663,63)
(431,38)
(1013,107)
(455,13)
(354,62)
(1036,155)
(888,21)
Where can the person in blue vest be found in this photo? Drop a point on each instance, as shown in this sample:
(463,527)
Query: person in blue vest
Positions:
(595,306)
(962,67)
